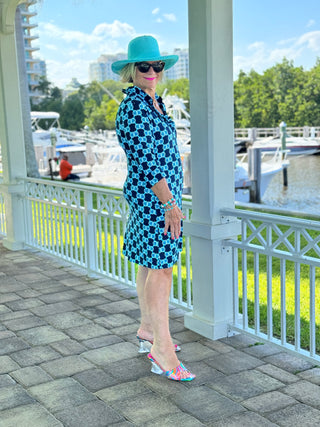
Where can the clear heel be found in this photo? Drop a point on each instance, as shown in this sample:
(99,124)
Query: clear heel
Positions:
(145,346)
(156,369)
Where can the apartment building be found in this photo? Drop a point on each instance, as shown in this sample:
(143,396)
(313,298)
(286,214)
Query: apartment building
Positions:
(34,66)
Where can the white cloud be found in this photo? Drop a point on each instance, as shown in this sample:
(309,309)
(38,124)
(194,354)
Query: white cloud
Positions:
(310,40)
(262,56)
(170,17)
(51,47)
(310,23)
(159,20)
(115,30)
(60,73)
(72,51)
(155,11)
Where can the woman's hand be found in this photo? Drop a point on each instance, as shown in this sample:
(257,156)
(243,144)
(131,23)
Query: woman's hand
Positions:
(173,219)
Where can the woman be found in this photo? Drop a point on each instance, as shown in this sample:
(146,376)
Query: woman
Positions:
(153,189)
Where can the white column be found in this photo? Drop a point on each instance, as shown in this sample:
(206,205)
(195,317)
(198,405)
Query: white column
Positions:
(11,130)
(211,103)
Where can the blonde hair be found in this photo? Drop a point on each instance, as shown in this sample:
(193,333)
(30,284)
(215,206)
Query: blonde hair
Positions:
(127,73)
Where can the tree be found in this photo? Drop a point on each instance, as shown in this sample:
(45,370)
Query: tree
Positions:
(72,113)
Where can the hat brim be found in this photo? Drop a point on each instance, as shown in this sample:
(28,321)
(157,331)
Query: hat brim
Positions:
(169,61)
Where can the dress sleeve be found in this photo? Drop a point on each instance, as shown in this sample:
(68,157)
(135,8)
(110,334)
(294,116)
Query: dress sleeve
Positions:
(140,142)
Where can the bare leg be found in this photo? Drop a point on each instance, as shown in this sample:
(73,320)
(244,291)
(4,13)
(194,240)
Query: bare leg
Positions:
(157,292)
(145,330)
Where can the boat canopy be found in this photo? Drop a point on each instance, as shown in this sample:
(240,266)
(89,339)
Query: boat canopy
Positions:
(37,115)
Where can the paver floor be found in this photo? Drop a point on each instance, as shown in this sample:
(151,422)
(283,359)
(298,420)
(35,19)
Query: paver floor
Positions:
(69,357)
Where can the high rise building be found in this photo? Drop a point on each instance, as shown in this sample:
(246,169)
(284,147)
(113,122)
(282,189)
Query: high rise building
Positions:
(181,68)
(101,69)
(35,67)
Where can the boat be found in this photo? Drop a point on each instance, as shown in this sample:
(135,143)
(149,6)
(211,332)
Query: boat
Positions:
(270,166)
(50,146)
(296,146)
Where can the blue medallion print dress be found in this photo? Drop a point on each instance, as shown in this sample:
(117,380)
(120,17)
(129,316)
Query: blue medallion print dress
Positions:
(149,141)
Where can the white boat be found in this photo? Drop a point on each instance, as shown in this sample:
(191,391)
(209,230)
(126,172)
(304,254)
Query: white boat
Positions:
(50,145)
(296,146)
(269,168)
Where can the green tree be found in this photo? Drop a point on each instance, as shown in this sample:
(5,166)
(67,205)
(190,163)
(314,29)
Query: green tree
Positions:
(72,113)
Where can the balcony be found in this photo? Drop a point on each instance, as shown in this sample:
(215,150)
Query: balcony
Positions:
(79,331)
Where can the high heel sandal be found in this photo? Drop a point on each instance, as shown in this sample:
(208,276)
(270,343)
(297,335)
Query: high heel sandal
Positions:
(174,374)
(145,346)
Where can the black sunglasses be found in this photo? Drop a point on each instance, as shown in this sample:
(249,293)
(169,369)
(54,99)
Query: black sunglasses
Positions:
(144,67)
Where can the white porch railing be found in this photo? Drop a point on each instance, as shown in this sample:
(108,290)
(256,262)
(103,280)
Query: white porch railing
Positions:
(85,225)
(277,298)
(276,259)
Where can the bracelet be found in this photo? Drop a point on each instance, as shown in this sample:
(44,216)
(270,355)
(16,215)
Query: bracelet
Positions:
(169,208)
(170,204)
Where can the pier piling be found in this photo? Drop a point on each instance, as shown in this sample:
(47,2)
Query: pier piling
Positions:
(283,135)
(254,172)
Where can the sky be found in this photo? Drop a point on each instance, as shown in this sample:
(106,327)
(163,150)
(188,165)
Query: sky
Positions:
(73,33)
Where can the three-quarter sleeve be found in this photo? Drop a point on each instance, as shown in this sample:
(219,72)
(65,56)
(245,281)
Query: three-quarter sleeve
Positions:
(140,141)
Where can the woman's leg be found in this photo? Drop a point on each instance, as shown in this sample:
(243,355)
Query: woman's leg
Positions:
(145,330)
(157,292)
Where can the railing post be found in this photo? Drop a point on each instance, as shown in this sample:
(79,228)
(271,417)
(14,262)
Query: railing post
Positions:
(90,234)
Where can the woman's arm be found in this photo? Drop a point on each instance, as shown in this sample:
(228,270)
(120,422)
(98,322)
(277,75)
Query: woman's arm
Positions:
(174,216)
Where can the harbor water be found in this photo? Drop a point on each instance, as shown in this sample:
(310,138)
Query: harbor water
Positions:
(303,191)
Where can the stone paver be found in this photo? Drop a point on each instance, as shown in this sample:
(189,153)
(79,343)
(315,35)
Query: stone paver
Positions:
(97,414)
(42,335)
(66,366)
(34,355)
(69,357)
(312,375)
(304,392)
(246,419)
(297,415)
(278,373)
(140,409)
(13,395)
(233,362)
(9,345)
(289,362)
(86,331)
(7,365)
(60,394)
(205,404)
(112,353)
(95,379)
(33,415)
(68,347)
(66,320)
(245,384)
(269,402)
(30,376)
(28,322)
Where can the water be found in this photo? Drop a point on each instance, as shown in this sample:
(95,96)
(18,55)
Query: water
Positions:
(303,191)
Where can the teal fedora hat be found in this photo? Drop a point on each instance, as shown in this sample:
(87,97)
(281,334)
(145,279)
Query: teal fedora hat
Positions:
(144,48)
